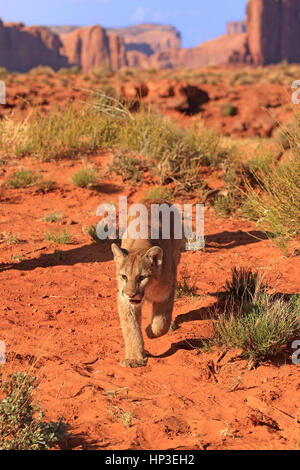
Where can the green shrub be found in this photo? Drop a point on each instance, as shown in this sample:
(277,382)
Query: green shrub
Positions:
(42,70)
(104,122)
(184,154)
(129,167)
(23,179)
(262,328)
(53,217)
(91,230)
(274,203)
(243,285)
(225,205)
(228,109)
(85,177)
(9,238)
(21,424)
(74,70)
(160,192)
(63,237)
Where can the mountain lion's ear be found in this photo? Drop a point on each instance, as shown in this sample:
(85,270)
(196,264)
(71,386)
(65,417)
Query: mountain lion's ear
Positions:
(118,252)
(154,256)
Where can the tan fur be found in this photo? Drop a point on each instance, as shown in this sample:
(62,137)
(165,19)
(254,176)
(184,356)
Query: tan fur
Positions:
(146,271)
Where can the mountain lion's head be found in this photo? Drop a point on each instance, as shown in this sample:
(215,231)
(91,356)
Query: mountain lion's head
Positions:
(136,271)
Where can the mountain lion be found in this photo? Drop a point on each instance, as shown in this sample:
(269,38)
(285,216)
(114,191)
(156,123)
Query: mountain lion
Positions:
(146,271)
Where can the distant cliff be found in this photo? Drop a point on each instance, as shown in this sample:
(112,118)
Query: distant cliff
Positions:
(270,34)
(273,28)
(145,38)
(149,38)
(91,46)
(24,47)
(223,50)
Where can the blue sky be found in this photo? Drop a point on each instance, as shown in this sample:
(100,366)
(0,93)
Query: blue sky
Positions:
(197,20)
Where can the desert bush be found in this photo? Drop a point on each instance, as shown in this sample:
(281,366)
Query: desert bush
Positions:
(182,160)
(53,217)
(60,134)
(274,202)
(65,133)
(64,82)
(225,205)
(42,70)
(85,177)
(228,109)
(288,135)
(74,70)
(247,80)
(91,231)
(243,285)
(104,122)
(21,424)
(9,238)
(160,192)
(262,328)
(13,136)
(25,178)
(63,237)
(129,167)
(152,71)
(265,158)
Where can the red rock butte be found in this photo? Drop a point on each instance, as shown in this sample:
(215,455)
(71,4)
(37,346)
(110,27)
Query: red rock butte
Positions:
(270,34)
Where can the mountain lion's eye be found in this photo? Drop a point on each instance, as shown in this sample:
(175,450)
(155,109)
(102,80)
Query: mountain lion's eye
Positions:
(124,277)
(141,278)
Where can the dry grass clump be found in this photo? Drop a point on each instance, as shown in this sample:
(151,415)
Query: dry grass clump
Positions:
(161,193)
(274,202)
(62,238)
(21,423)
(258,323)
(53,217)
(85,177)
(129,167)
(25,178)
(104,122)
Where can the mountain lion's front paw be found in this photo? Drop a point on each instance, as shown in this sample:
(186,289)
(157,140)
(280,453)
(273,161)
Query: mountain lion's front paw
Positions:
(132,363)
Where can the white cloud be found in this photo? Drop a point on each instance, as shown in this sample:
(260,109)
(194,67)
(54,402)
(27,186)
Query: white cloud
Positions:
(143,14)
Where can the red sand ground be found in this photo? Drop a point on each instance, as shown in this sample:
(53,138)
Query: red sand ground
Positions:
(59,314)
